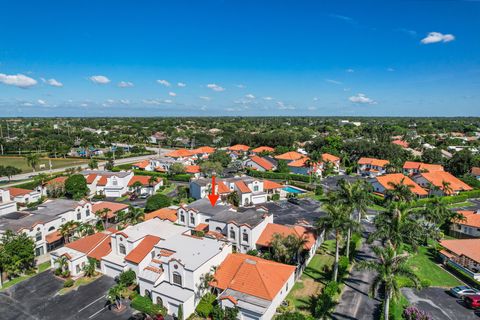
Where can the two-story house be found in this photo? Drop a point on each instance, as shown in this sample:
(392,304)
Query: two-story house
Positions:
(372,167)
(24,196)
(412,167)
(469,227)
(43,223)
(441,183)
(110,184)
(6,203)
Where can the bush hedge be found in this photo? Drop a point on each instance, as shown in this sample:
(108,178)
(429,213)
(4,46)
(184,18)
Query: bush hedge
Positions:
(278,175)
(144,304)
(205,306)
(185,177)
(68,283)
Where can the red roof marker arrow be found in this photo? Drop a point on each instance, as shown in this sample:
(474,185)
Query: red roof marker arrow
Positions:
(213,197)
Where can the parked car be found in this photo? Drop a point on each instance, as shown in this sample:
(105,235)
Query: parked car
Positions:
(462,291)
(294,201)
(472,301)
(144,196)
(133,197)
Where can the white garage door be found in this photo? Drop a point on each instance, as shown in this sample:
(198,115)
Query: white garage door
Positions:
(112,272)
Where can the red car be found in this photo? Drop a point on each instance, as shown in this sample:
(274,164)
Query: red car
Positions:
(472,301)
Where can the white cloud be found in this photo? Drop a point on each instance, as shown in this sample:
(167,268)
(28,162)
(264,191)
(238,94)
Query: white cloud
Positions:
(99,79)
(312,108)
(27,104)
(434,37)
(124,101)
(52,82)
(205,98)
(333,81)
(42,102)
(362,98)
(283,106)
(350,70)
(181,84)
(17,80)
(390,69)
(125,84)
(84,105)
(215,87)
(203,108)
(164,83)
(268,98)
(250,96)
(152,101)
(241,86)
(172,94)
(315,98)
(168,101)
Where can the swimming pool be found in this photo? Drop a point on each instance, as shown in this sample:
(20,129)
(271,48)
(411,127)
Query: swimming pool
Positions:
(293,189)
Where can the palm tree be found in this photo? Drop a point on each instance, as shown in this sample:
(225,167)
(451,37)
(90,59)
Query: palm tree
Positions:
(114,295)
(85,229)
(89,270)
(153,180)
(447,187)
(389,268)
(397,226)
(62,263)
(68,229)
(32,160)
(137,186)
(93,164)
(337,219)
(400,191)
(135,215)
(103,216)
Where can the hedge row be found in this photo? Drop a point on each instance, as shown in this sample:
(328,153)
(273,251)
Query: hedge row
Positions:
(462,197)
(144,304)
(278,175)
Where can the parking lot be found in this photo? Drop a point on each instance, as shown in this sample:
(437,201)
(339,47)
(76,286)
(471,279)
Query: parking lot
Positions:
(440,304)
(36,298)
(285,212)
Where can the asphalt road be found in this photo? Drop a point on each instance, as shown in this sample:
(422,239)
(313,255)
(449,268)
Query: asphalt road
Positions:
(440,304)
(355,302)
(36,298)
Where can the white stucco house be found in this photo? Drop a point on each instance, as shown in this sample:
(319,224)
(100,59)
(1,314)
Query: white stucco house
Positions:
(110,184)
(6,203)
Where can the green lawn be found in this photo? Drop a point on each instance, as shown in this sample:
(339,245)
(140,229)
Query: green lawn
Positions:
(425,267)
(167,189)
(21,163)
(41,267)
(460,205)
(397,306)
(79,282)
(312,280)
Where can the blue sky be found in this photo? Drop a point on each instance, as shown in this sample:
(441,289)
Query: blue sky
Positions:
(194,58)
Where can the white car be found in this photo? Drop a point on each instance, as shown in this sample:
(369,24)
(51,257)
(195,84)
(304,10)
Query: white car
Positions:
(462,291)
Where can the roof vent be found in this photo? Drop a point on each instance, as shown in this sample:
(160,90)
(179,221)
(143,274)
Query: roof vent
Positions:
(249,261)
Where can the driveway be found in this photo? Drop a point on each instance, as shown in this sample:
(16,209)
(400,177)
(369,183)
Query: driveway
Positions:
(440,304)
(37,299)
(285,212)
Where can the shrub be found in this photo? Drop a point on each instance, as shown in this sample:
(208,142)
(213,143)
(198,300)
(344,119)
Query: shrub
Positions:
(292,316)
(76,187)
(331,289)
(425,283)
(127,278)
(319,191)
(144,304)
(413,313)
(157,201)
(66,274)
(252,252)
(68,283)
(343,264)
(58,272)
(205,306)
(275,197)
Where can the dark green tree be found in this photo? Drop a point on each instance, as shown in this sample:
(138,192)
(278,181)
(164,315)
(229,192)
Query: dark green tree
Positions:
(76,187)
(157,201)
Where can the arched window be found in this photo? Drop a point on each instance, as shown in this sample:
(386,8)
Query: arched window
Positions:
(177,278)
(51,228)
(182,217)
(245,236)
(38,236)
(232,233)
(218,229)
(148,294)
(159,301)
(192,219)
(122,249)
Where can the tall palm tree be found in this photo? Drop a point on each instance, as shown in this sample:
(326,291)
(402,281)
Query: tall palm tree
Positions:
(103,216)
(400,191)
(89,268)
(388,268)
(135,215)
(337,218)
(396,226)
(152,180)
(85,229)
(447,187)
(114,295)
(68,229)
(62,263)
(32,160)
(137,186)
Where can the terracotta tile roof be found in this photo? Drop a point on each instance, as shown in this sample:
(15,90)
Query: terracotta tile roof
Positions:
(201,227)
(239,147)
(142,249)
(472,219)
(160,169)
(289,156)
(438,177)
(87,244)
(15,192)
(142,179)
(142,164)
(203,150)
(264,163)
(222,188)
(163,214)
(192,169)
(242,187)
(465,247)
(408,165)
(113,206)
(102,181)
(216,235)
(401,143)
(327,157)
(397,178)
(57,180)
(54,236)
(166,252)
(252,275)
(269,185)
(180,153)
(373,162)
(272,228)
(263,149)
(90,178)
(298,163)
(154,269)
(476,171)
(103,249)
